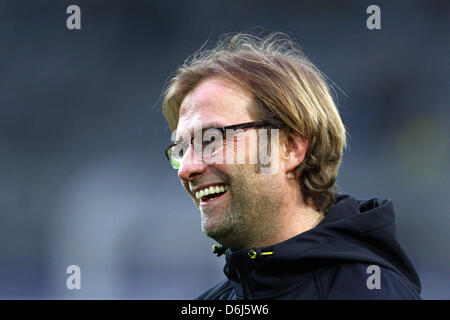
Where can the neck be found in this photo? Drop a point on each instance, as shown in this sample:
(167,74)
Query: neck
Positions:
(299,220)
(295,215)
(293,218)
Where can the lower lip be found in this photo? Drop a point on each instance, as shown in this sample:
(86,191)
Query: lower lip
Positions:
(213,200)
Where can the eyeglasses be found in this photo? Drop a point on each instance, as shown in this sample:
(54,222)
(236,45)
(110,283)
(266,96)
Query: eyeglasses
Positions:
(176,151)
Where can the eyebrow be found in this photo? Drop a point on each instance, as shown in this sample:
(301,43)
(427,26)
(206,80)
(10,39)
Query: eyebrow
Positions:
(206,126)
(213,124)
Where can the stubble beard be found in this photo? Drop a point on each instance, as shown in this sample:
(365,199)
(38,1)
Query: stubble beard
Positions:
(250,217)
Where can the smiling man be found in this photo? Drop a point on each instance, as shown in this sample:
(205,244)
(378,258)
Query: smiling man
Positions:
(285,232)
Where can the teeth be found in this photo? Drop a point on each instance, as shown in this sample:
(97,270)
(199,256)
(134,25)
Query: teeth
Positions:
(210,190)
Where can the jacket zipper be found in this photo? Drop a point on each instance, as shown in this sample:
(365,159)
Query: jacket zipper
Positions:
(244,285)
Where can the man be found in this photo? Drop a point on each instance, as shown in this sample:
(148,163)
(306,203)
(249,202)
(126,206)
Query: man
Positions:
(285,233)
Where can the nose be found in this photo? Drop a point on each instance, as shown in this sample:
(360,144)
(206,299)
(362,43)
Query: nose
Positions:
(191,165)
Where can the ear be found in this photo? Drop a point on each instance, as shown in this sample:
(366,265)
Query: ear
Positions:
(293,152)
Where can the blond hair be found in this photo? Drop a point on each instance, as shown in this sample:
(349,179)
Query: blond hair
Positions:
(288,90)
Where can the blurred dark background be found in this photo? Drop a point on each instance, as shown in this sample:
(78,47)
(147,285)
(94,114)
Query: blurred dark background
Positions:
(83,177)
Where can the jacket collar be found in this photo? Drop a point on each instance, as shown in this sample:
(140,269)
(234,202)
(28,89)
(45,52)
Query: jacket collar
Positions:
(270,271)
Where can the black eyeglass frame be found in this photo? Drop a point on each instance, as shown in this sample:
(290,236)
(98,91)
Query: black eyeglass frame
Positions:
(253,124)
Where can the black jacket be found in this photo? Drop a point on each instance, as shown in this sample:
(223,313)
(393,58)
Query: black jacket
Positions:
(338,259)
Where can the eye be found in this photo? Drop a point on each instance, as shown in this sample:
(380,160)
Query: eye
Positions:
(211,136)
(208,141)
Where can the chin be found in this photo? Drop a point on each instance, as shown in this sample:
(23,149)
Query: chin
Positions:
(214,231)
(209,230)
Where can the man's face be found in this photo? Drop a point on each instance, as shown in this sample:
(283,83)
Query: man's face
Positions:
(245,211)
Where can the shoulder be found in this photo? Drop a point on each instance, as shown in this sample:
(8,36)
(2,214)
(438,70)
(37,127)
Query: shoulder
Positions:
(221,291)
(364,281)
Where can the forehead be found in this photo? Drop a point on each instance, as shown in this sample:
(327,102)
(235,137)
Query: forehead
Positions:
(214,102)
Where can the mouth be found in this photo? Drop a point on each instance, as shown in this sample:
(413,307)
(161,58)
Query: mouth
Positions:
(211,193)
